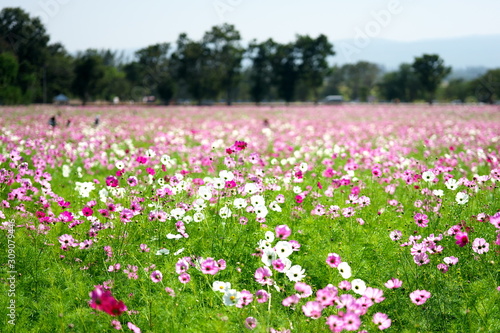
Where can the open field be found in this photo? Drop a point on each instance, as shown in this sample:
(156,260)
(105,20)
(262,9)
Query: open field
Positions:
(271,219)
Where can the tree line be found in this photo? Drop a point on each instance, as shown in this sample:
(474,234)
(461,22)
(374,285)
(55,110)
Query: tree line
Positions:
(215,68)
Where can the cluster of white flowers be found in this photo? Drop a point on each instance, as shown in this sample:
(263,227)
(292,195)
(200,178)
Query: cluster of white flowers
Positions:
(281,250)
(66,170)
(84,188)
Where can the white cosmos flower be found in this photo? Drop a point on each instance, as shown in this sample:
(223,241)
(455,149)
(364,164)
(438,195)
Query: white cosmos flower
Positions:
(251,188)
(297,189)
(261,210)
(162,252)
(239,203)
(221,286)
(187,219)
(257,200)
(120,165)
(66,170)
(358,286)
(462,198)
(226,175)
(269,236)
(428,176)
(438,193)
(268,256)
(199,205)
(275,206)
(451,184)
(225,212)
(205,192)
(283,249)
(231,297)
(198,217)
(303,167)
(150,153)
(218,183)
(295,273)
(174,236)
(344,270)
(177,213)
(165,159)
(264,244)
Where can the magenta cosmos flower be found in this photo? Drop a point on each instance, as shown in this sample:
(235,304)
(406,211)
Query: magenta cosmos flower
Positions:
(462,238)
(333,260)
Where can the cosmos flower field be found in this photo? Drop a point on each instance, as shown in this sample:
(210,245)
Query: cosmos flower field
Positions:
(262,219)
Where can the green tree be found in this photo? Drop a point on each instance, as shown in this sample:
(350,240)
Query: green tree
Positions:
(89,70)
(10,93)
(193,65)
(401,85)
(360,79)
(430,70)
(223,43)
(26,38)
(285,64)
(261,70)
(59,72)
(151,73)
(486,88)
(313,67)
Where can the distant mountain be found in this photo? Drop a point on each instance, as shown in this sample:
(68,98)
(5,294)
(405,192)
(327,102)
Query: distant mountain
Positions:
(460,53)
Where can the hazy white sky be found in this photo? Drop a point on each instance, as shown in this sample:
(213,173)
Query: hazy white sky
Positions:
(125,24)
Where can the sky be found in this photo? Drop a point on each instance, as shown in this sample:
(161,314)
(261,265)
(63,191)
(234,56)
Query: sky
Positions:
(123,24)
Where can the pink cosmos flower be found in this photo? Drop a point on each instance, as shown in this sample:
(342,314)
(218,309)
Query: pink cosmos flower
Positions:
(250,323)
(421,220)
(351,321)
(262,296)
(133,328)
(170,291)
(376,295)
(480,246)
(304,290)
(450,261)
(333,260)
(262,276)
(290,300)
(345,285)
(326,296)
(382,320)
(184,277)
(116,324)
(312,309)
(462,238)
(246,298)
(209,266)
(442,268)
(396,235)
(283,231)
(335,323)
(421,259)
(156,276)
(393,283)
(419,297)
